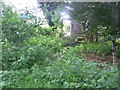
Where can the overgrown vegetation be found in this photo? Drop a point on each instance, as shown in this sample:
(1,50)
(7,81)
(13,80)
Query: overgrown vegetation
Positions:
(98,48)
(36,57)
(67,71)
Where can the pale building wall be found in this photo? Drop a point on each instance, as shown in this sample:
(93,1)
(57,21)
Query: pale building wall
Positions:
(72,30)
(75,30)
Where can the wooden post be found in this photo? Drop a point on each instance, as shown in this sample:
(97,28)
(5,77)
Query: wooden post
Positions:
(113,52)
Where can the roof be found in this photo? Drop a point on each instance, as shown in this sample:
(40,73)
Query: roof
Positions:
(24,16)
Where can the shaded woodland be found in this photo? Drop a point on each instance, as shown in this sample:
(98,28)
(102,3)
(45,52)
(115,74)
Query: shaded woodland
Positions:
(44,57)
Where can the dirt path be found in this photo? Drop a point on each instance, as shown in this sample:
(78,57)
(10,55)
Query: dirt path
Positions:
(96,57)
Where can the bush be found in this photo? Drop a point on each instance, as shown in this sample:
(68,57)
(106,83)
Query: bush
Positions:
(67,71)
(73,71)
(44,31)
(24,44)
(102,49)
(14,28)
(37,49)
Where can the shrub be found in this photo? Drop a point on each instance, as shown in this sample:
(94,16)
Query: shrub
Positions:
(77,72)
(24,44)
(37,49)
(67,71)
(102,49)
(14,28)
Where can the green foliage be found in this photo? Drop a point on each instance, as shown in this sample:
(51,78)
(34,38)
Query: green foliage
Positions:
(67,71)
(44,31)
(37,49)
(117,51)
(56,18)
(52,10)
(12,78)
(14,28)
(102,49)
(24,44)
(93,15)
(75,72)
(34,57)
(98,48)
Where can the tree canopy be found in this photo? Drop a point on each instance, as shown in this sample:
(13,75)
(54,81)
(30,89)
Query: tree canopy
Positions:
(101,14)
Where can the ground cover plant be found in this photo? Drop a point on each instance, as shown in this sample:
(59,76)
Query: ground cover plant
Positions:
(67,71)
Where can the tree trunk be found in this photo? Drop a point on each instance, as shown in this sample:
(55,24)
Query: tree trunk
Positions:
(113,53)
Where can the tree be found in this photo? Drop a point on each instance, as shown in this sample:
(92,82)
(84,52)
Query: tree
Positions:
(51,10)
(14,29)
(98,17)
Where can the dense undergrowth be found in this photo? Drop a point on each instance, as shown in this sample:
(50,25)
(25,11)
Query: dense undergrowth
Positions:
(43,60)
(46,65)
(66,70)
(98,48)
